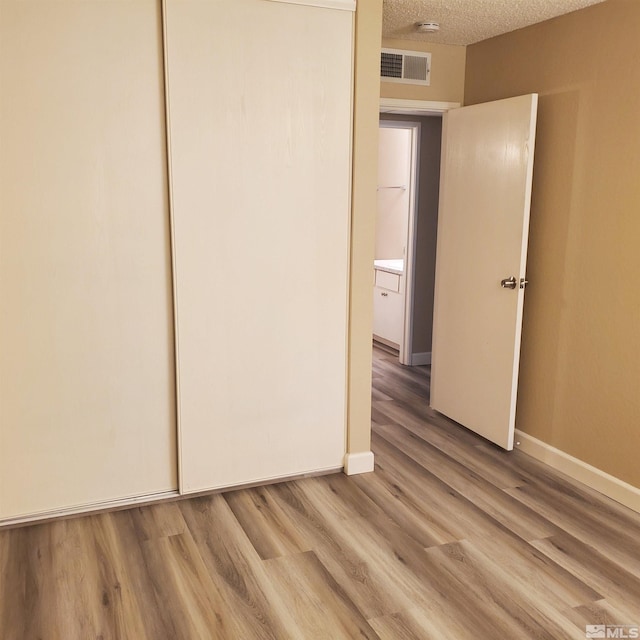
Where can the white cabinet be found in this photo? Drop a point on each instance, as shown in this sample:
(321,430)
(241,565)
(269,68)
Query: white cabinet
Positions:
(388,307)
(387,280)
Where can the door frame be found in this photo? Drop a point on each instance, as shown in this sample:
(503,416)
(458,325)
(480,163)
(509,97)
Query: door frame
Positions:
(416,107)
(395,106)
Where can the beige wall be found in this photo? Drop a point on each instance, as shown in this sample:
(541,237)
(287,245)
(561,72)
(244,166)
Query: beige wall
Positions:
(447,73)
(426,227)
(580,368)
(364,202)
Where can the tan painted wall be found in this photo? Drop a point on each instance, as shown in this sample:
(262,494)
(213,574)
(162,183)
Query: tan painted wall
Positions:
(447,73)
(363,216)
(580,368)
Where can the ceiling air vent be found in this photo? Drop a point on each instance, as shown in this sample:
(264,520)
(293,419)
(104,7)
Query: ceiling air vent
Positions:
(410,67)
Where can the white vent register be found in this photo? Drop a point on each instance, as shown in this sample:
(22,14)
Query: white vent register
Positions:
(409,67)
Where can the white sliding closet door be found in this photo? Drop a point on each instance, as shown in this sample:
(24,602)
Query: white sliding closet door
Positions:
(260,120)
(86,365)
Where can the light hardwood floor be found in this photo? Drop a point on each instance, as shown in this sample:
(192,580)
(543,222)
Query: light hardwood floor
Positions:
(450,538)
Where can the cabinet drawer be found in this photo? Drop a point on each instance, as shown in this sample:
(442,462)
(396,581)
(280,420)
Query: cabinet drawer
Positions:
(388,315)
(387,280)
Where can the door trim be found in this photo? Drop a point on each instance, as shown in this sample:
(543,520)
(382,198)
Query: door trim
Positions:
(406,344)
(415,107)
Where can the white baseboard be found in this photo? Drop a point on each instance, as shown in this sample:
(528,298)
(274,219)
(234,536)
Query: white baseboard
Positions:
(609,485)
(418,359)
(355,463)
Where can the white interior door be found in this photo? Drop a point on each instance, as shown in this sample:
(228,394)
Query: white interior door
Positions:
(485,193)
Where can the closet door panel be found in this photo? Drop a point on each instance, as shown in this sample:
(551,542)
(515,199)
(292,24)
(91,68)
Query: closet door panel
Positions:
(260,121)
(87,409)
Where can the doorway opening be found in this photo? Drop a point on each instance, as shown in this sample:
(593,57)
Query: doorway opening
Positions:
(398,145)
(406,227)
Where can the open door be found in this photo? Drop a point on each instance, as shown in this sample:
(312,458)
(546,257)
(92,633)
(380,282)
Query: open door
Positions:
(483,227)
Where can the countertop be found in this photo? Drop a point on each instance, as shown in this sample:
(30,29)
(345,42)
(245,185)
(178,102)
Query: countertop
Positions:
(392,266)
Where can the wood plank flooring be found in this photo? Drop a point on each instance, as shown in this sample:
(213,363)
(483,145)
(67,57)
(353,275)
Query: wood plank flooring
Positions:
(450,538)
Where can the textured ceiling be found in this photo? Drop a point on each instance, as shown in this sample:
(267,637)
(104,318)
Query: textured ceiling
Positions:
(469,21)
